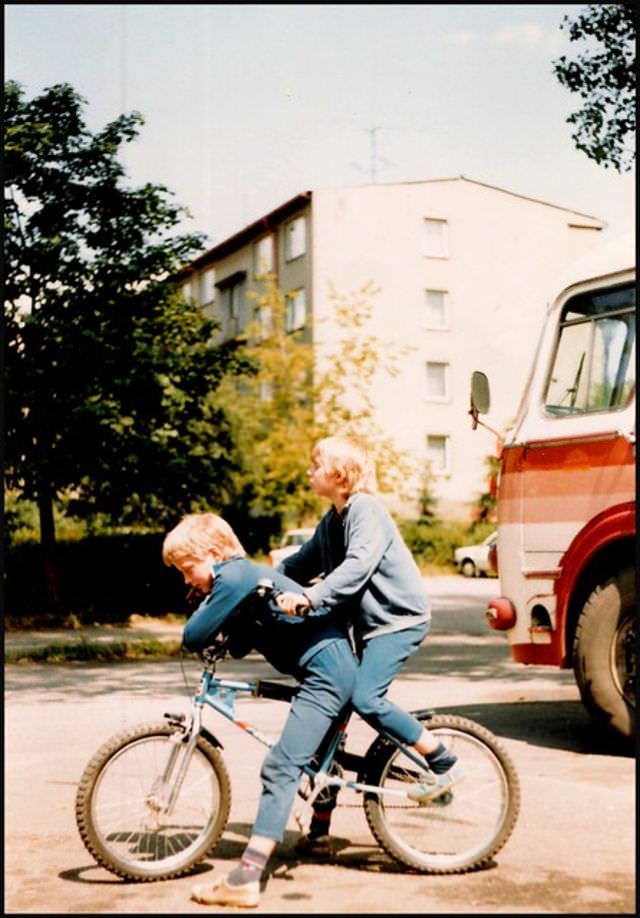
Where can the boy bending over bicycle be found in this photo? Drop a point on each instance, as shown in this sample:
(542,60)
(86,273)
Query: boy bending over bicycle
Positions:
(367,571)
(315,650)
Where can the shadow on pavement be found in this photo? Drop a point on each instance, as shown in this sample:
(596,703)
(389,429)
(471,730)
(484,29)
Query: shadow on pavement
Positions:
(79,681)
(83,875)
(473,659)
(476,661)
(562,725)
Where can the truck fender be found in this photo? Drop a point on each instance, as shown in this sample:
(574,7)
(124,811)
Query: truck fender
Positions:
(605,529)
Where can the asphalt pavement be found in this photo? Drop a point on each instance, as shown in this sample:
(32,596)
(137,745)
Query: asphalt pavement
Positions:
(572,850)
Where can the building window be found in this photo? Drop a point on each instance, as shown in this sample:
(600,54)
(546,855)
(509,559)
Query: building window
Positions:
(437,308)
(263,256)
(230,311)
(436,238)
(187,291)
(294,245)
(439,453)
(231,298)
(207,286)
(264,317)
(438,382)
(296,310)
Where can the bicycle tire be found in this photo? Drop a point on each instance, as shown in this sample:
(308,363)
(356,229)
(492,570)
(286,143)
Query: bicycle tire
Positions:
(463,829)
(119,819)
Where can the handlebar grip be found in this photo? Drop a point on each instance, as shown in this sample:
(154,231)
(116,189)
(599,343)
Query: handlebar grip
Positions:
(265,585)
(266,589)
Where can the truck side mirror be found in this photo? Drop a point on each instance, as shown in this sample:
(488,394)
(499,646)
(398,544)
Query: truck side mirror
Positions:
(480,396)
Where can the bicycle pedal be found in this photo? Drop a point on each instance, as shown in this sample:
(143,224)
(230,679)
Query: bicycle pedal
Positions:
(303,820)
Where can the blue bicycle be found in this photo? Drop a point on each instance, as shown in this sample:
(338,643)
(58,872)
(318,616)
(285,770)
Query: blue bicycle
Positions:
(154,800)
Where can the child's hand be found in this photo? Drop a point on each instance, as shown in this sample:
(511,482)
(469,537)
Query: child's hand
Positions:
(293,603)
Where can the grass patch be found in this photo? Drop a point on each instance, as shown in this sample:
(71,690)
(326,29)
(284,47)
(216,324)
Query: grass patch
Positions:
(95,651)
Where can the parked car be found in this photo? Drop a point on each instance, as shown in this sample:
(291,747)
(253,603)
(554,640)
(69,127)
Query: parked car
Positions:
(291,542)
(474,560)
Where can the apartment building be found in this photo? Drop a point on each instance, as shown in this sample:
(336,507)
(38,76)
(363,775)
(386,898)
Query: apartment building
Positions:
(464,273)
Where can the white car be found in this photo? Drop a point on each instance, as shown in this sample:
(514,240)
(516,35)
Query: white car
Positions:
(473,560)
(291,542)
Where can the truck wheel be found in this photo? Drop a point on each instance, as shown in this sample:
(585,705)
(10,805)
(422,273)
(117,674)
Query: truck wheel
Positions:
(604,653)
(468,568)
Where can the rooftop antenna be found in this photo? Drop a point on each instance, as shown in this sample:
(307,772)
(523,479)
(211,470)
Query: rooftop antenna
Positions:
(374,158)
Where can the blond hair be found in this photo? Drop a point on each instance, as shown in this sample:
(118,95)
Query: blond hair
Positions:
(348,457)
(196,535)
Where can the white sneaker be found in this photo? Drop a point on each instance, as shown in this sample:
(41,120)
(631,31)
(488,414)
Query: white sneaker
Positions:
(423,792)
(221,893)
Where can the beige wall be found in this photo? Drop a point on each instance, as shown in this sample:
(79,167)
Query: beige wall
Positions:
(504,254)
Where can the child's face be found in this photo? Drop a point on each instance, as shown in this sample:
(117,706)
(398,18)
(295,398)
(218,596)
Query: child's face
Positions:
(323,482)
(197,572)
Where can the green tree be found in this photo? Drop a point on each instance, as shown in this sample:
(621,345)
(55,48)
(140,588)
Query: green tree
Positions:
(293,398)
(108,370)
(604,78)
(486,503)
(426,498)
(344,384)
(272,417)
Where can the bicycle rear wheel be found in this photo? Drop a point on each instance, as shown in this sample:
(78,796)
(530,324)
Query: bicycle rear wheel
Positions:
(462,829)
(122,803)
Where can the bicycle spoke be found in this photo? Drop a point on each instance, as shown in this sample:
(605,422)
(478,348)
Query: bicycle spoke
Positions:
(122,811)
(463,825)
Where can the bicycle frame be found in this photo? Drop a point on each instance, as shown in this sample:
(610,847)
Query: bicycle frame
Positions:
(220,695)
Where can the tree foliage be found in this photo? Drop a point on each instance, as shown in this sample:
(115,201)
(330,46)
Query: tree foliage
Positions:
(486,503)
(603,75)
(293,398)
(271,412)
(345,380)
(108,370)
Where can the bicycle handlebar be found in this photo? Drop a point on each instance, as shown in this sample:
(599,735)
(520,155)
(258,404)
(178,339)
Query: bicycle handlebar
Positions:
(265,589)
(268,590)
(214,652)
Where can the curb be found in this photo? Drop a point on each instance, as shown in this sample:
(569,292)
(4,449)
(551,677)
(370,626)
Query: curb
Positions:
(100,643)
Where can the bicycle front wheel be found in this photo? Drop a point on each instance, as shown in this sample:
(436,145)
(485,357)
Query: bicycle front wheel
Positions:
(133,815)
(463,828)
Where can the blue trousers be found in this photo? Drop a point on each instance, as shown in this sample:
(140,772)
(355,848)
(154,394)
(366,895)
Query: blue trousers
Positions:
(326,686)
(380,659)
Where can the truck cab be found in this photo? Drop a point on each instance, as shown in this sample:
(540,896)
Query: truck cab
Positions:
(566,491)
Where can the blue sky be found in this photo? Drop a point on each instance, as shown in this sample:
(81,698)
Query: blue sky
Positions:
(245,106)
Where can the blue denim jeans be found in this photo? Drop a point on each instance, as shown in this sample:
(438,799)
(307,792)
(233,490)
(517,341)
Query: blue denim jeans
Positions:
(380,659)
(326,686)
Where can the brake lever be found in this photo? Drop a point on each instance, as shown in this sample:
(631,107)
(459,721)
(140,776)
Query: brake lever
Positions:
(266,589)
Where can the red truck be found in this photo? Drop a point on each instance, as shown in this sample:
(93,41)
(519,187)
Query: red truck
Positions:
(566,547)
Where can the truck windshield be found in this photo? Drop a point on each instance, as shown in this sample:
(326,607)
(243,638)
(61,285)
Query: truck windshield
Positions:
(594,361)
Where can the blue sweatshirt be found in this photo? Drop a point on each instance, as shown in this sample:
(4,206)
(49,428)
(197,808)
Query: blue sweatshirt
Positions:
(378,580)
(286,642)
